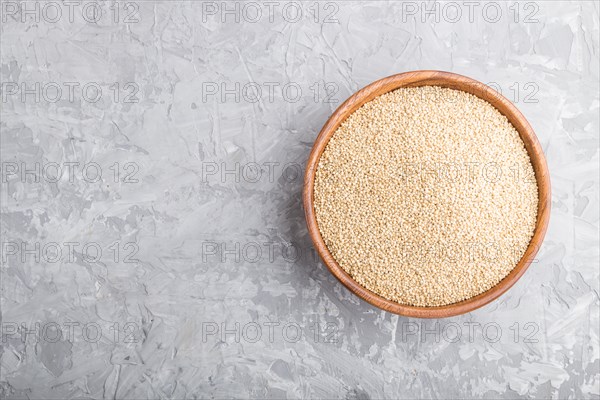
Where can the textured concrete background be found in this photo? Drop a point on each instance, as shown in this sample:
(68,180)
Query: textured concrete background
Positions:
(185,270)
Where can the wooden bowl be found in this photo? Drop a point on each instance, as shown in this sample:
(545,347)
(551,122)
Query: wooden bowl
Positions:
(449,80)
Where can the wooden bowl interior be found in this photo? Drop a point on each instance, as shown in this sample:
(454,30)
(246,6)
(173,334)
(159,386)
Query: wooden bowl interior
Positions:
(453,81)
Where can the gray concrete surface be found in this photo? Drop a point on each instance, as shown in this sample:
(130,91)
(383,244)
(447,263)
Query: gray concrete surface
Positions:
(153,241)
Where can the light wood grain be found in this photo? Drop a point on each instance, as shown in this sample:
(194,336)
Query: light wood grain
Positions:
(454,81)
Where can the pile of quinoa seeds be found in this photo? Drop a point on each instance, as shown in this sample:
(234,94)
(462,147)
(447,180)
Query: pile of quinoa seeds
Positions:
(426,196)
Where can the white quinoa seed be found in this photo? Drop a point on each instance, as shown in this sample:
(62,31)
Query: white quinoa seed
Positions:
(405,205)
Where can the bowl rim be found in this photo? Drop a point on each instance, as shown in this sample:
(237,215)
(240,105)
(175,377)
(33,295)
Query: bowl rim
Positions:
(443,79)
